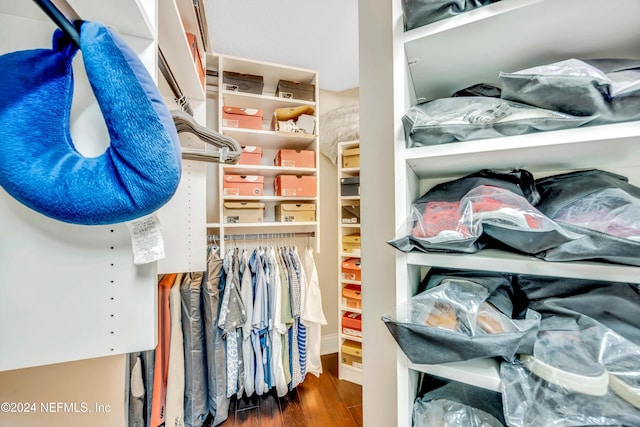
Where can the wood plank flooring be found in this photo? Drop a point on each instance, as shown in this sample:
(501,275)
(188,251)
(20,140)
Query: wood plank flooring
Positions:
(317,402)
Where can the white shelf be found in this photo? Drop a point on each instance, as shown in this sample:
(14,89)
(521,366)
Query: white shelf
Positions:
(267,171)
(266,103)
(350,282)
(349,197)
(497,260)
(483,373)
(350,170)
(349,255)
(350,310)
(439,64)
(350,225)
(269,138)
(612,145)
(350,337)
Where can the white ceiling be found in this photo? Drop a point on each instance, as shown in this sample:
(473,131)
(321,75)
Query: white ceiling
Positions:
(320,35)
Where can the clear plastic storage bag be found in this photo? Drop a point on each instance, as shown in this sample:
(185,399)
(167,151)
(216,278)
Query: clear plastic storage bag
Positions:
(574,378)
(465,118)
(606,89)
(455,321)
(603,207)
(446,413)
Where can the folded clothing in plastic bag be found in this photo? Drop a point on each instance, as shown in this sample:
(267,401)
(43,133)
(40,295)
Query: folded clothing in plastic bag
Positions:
(606,89)
(456,320)
(422,12)
(584,377)
(601,206)
(457,215)
(456,404)
(465,118)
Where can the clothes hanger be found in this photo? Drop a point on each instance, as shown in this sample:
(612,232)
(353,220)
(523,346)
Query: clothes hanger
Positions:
(228,148)
(68,23)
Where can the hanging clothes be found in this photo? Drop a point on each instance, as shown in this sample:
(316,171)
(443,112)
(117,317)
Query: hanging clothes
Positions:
(175,379)
(136,391)
(277,329)
(195,394)
(248,355)
(312,315)
(158,402)
(216,351)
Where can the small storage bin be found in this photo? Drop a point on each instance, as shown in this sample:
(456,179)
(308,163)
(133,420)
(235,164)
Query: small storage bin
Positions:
(351,269)
(242,212)
(239,82)
(352,353)
(238,117)
(350,186)
(351,214)
(297,186)
(352,324)
(351,158)
(351,296)
(296,212)
(295,158)
(251,155)
(243,185)
(296,90)
(351,243)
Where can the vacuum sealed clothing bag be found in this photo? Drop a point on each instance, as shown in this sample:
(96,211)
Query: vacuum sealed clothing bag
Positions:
(608,90)
(465,118)
(422,12)
(601,206)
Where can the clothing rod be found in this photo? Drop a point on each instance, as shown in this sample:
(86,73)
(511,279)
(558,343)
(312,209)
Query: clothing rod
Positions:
(181,99)
(66,25)
(264,236)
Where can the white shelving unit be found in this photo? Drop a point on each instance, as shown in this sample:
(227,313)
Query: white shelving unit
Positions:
(432,62)
(346,371)
(270,141)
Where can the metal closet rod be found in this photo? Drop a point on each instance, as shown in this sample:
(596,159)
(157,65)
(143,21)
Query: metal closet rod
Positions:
(67,25)
(263,236)
(181,99)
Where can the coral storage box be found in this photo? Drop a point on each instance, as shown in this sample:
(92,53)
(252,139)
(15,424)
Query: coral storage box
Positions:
(243,185)
(351,269)
(251,155)
(238,117)
(296,212)
(295,158)
(352,324)
(243,212)
(352,296)
(352,353)
(296,186)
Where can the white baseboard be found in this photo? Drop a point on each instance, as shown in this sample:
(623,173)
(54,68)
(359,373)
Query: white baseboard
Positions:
(329,344)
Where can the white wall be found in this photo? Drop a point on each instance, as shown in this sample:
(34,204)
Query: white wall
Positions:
(327,259)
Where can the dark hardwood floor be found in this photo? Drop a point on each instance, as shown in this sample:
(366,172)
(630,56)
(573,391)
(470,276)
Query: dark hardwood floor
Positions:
(317,402)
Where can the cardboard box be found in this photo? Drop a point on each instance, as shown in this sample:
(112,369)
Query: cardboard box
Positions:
(197,58)
(351,158)
(350,186)
(239,82)
(297,186)
(352,353)
(351,269)
(351,213)
(351,243)
(251,155)
(242,212)
(296,90)
(238,117)
(295,158)
(352,296)
(243,185)
(352,324)
(296,212)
